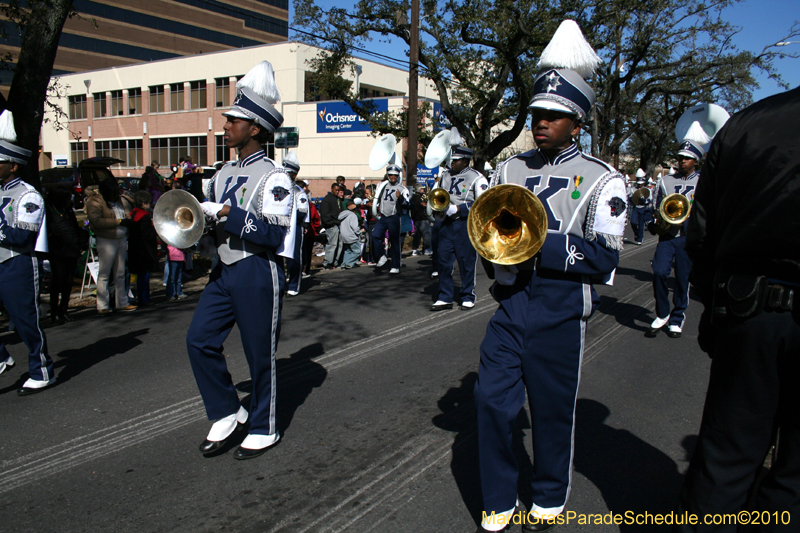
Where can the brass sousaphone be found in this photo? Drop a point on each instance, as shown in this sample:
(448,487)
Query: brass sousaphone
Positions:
(382,154)
(507,224)
(179,219)
(438,152)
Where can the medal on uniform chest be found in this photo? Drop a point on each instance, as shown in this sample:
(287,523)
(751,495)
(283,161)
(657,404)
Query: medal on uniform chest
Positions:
(577,180)
(241,200)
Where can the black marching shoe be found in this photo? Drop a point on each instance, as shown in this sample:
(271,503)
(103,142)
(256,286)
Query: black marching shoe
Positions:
(256,445)
(220,443)
(210,448)
(33,386)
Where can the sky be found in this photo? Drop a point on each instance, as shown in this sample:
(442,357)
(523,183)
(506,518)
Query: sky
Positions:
(763,22)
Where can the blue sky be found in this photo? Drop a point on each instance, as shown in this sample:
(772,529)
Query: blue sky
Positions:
(763,22)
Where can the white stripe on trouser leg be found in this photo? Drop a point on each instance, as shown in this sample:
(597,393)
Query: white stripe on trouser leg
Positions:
(42,358)
(273,342)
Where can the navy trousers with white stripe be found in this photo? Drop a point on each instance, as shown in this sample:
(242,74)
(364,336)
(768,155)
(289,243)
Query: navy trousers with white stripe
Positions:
(671,252)
(454,244)
(534,344)
(246,293)
(294,267)
(392,225)
(19,293)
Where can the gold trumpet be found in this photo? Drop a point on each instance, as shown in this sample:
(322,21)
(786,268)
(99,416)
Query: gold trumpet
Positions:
(507,224)
(439,200)
(673,211)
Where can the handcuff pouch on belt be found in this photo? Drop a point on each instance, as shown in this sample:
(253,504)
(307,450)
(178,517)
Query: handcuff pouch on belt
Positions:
(744,296)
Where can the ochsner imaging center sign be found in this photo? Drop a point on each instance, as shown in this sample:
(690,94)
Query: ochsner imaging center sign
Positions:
(335,117)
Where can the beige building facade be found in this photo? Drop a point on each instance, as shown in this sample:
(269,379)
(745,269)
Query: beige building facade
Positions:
(165,110)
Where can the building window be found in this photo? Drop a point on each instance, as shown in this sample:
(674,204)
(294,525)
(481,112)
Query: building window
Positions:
(176,96)
(116,103)
(129,151)
(197,94)
(168,151)
(135,101)
(99,104)
(78,151)
(77,107)
(223,91)
(223,152)
(157,99)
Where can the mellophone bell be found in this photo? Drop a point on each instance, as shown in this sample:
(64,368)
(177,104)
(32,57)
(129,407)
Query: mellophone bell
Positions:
(694,131)
(449,203)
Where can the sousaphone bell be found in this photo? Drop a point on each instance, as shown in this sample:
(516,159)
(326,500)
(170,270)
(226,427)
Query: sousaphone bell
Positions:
(179,219)
(507,224)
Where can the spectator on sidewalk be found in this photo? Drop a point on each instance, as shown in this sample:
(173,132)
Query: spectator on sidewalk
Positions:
(176,258)
(350,233)
(66,241)
(142,246)
(329,211)
(314,226)
(107,212)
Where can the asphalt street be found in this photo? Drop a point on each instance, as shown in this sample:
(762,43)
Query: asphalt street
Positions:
(375,408)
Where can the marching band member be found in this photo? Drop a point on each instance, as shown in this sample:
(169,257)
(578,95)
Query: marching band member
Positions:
(671,245)
(534,342)
(22,234)
(393,197)
(253,203)
(464,184)
(641,214)
(294,267)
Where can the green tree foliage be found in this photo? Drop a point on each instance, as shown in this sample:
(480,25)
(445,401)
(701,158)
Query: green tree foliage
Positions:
(38,23)
(660,58)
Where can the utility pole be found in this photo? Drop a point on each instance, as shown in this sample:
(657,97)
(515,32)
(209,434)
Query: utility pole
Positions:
(413,89)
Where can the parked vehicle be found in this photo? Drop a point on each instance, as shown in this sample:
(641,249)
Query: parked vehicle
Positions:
(87,175)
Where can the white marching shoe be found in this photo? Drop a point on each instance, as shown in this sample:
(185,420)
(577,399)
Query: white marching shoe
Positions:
(382,261)
(658,323)
(394,271)
(5,365)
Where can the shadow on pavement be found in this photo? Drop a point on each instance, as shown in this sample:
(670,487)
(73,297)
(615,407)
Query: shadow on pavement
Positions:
(297,377)
(75,361)
(631,474)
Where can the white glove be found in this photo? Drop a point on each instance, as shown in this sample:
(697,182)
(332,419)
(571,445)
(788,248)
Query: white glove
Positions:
(505,274)
(210,209)
(452,209)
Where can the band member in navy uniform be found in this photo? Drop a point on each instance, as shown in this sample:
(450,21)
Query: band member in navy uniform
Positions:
(671,244)
(392,199)
(742,237)
(294,267)
(642,213)
(534,342)
(253,203)
(22,233)
(464,184)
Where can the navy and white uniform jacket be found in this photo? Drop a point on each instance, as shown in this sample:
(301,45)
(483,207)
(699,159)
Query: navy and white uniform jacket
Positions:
(392,198)
(21,219)
(464,188)
(586,206)
(237,185)
(676,183)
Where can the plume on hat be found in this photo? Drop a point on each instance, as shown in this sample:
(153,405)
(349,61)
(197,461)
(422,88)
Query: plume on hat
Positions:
(455,137)
(291,161)
(640,173)
(261,79)
(569,49)
(7,131)
(697,134)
